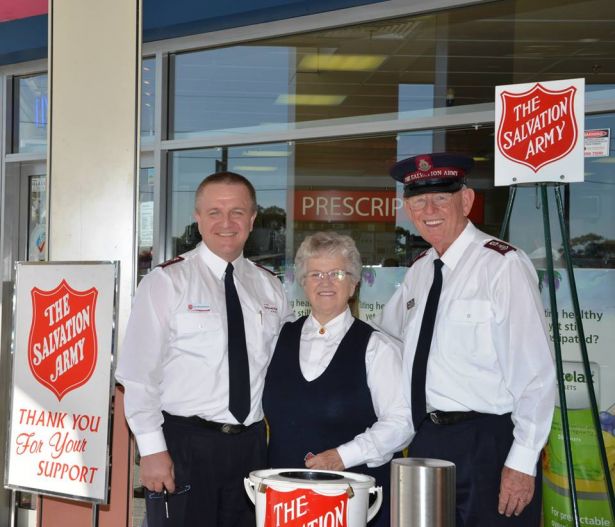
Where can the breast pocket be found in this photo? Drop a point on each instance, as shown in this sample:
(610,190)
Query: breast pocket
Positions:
(270,329)
(467,328)
(200,334)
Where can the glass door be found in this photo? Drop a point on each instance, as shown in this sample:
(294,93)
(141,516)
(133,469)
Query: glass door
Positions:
(37,218)
(24,239)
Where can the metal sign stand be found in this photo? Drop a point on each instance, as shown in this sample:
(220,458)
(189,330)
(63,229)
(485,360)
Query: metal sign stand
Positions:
(557,345)
(13,506)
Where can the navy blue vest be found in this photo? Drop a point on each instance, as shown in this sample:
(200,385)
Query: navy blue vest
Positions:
(324,413)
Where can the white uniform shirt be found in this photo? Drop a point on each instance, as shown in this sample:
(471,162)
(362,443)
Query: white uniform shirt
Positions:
(490,350)
(174,356)
(390,433)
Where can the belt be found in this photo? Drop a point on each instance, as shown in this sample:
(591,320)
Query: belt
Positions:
(225,428)
(439,417)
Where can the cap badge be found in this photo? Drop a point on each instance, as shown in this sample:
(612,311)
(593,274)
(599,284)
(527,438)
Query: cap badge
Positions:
(424,164)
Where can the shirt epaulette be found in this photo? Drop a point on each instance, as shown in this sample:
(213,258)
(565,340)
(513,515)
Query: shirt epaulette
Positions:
(499,246)
(171,262)
(265,269)
(418,257)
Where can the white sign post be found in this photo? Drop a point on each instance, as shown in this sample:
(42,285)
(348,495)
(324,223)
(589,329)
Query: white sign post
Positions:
(63,344)
(539,134)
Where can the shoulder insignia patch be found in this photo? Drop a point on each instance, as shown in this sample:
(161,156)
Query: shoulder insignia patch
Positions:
(499,246)
(264,269)
(171,262)
(420,255)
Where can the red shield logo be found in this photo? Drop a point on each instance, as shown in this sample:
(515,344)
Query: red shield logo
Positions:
(537,127)
(62,347)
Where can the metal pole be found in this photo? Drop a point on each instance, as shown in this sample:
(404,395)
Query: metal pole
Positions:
(558,356)
(584,354)
(13,509)
(512,191)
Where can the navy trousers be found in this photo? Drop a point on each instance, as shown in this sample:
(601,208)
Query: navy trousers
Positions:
(478,447)
(209,470)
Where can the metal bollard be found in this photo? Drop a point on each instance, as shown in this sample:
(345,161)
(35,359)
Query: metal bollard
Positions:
(422,493)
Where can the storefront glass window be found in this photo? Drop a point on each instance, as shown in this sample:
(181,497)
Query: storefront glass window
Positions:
(145,226)
(430,63)
(148,98)
(588,210)
(31,112)
(31,109)
(230,88)
(269,168)
(340,185)
(37,218)
(592,203)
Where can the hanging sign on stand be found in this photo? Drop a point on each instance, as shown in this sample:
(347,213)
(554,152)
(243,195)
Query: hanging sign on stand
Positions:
(540,130)
(539,140)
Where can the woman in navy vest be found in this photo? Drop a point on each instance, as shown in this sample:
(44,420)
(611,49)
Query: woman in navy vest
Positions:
(333,396)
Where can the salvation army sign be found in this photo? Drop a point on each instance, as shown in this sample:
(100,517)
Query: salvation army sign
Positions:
(538,126)
(62,347)
(539,134)
(63,343)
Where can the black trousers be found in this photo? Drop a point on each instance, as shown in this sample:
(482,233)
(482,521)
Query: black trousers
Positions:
(209,470)
(478,447)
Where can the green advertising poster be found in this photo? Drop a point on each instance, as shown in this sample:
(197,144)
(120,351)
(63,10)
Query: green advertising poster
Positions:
(596,289)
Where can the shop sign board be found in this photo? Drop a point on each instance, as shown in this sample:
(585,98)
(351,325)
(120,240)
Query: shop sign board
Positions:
(375,206)
(347,206)
(64,318)
(539,134)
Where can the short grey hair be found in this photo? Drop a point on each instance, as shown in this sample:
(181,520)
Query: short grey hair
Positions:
(329,244)
(228,178)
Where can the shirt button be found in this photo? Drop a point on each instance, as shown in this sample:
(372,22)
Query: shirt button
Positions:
(322,331)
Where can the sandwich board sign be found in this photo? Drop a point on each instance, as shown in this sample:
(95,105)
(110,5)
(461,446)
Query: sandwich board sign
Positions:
(539,132)
(64,320)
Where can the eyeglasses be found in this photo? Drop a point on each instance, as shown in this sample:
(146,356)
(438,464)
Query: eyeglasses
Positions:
(440,199)
(336,275)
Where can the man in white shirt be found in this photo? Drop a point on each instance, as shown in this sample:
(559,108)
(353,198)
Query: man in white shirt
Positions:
(478,371)
(193,366)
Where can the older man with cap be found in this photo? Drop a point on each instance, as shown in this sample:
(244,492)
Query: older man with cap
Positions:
(478,369)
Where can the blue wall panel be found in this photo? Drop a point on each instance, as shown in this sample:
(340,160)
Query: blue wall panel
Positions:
(26,39)
(163,19)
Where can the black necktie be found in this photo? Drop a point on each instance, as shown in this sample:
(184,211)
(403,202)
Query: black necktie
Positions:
(238,367)
(419,366)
